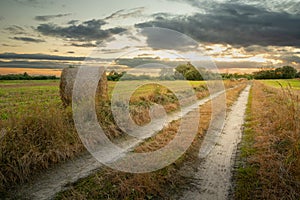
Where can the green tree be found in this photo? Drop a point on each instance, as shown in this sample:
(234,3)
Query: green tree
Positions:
(188,71)
(288,72)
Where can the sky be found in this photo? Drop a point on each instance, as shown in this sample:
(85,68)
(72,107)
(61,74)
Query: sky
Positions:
(237,35)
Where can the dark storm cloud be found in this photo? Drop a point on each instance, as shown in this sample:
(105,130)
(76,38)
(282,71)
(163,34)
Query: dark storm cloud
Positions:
(235,24)
(86,31)
(28,39)
(166,39)
(49,17)
(289,6)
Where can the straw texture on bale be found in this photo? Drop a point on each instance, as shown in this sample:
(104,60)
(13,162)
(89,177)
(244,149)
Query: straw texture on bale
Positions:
(67,81)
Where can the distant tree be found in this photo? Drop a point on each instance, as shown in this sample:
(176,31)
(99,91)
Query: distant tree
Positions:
(188,71)
(114,76)
(288,72)
(285,72)
(193,75)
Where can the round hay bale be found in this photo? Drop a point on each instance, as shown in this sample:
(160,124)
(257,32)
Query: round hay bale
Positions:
(67,81)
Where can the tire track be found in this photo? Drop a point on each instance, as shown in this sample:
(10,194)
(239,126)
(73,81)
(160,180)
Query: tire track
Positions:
(212,180)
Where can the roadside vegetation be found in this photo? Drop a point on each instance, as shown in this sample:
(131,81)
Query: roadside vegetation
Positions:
(269,167)
(36,131)
(161,184)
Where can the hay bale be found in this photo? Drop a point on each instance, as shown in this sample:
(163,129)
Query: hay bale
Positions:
(67,81)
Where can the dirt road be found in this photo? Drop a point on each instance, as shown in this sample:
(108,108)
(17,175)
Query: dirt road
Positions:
(212,179)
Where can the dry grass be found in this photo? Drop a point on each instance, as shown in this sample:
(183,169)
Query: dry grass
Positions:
(33,141)
(37,131)
(112,184)
(271,149)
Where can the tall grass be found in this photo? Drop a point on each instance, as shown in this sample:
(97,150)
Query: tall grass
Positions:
(274,158)
(38,138)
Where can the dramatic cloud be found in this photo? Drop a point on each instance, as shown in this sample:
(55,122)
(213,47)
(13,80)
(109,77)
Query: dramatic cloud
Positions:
(34,64)
(126,13)
(288,6)
(38,57)
(28,39)
(86,31)
(49,17)
(166,39)
(235,24)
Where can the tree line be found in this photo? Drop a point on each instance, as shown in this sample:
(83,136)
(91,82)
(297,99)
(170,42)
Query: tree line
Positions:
(190,72)
(26,76)
(181,72)
(285,72)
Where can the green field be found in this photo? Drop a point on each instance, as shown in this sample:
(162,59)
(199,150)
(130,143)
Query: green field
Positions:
(294,83)
(17,96)
(26,82)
